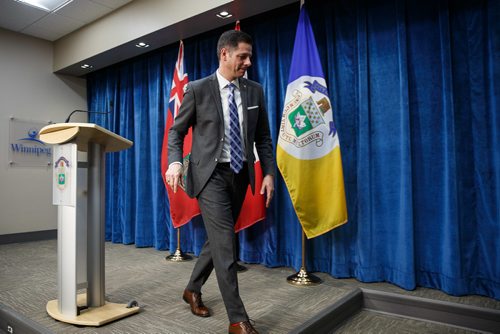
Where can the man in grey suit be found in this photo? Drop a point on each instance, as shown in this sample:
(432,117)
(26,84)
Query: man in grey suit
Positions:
(228,116)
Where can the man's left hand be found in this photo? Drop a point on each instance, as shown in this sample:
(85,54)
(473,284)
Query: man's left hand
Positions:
(267,188)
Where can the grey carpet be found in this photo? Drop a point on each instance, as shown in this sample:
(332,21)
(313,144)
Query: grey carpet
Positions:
(28,281)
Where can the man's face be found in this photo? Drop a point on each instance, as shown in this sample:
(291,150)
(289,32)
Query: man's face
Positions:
(236,61)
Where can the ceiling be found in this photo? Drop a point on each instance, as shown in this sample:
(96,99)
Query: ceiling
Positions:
(35,22)
(81,14)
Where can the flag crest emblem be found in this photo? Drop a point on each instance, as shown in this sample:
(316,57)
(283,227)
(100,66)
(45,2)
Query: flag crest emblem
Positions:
(307,119)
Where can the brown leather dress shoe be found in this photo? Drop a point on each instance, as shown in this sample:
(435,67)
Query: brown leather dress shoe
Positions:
(244,327)
(194,300)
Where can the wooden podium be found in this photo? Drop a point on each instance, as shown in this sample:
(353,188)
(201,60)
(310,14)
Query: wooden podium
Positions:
(80,241)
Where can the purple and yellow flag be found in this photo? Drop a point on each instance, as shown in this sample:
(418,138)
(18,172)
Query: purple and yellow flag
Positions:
(308,151)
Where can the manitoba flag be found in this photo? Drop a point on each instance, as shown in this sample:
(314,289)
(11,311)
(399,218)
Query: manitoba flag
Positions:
(182,207)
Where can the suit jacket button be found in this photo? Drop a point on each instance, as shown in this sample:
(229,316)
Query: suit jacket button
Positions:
(216,159)
(222,139)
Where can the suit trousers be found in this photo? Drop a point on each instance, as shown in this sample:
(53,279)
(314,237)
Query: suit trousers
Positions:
(220,203)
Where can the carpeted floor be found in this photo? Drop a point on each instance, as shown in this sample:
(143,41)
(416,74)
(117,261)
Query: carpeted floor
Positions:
(28,280)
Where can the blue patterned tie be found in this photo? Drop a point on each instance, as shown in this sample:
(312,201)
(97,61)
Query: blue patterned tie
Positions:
(236,162)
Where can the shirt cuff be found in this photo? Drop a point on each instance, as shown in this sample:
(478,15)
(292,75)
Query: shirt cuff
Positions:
(175,163)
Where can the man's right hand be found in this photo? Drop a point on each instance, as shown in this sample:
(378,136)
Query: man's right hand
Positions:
(174,176)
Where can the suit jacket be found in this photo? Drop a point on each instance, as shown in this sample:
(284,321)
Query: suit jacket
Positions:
(201,109)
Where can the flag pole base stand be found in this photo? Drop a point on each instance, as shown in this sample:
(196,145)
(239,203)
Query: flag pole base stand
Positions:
(178,256)
(303,278)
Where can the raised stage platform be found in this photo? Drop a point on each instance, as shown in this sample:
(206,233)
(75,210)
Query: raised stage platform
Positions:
(28,281)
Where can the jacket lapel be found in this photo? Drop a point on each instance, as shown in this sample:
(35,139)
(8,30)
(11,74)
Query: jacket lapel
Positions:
(215,91)
(244,105)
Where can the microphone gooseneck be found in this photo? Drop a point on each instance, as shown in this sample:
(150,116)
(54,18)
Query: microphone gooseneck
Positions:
(85,111)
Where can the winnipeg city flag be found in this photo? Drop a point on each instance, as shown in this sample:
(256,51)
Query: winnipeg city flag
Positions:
(182,208)
(308,151)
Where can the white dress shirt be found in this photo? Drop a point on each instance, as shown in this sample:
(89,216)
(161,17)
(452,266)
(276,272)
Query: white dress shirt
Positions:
(224,93)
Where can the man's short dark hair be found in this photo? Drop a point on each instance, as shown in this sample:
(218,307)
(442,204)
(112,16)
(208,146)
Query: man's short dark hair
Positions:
(230,40)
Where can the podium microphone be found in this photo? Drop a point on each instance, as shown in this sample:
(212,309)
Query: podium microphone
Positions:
(85,111)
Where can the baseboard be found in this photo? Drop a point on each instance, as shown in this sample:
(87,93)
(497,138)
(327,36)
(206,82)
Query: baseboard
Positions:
(447,313)
(28,236)
(12,322)
(453,314)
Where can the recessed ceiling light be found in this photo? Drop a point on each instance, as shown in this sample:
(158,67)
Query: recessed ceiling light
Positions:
(142,45)
(86,66)
(224,14)
(46,5)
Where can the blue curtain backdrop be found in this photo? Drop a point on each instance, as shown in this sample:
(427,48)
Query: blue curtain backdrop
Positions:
(415,88)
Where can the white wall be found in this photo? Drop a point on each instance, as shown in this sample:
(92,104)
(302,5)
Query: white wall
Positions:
(30,91)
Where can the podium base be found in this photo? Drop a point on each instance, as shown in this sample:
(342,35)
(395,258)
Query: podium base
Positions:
(92,316)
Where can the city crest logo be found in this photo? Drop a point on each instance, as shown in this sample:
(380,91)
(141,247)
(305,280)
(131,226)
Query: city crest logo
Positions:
(61,174)
(308,114)
(305,117)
